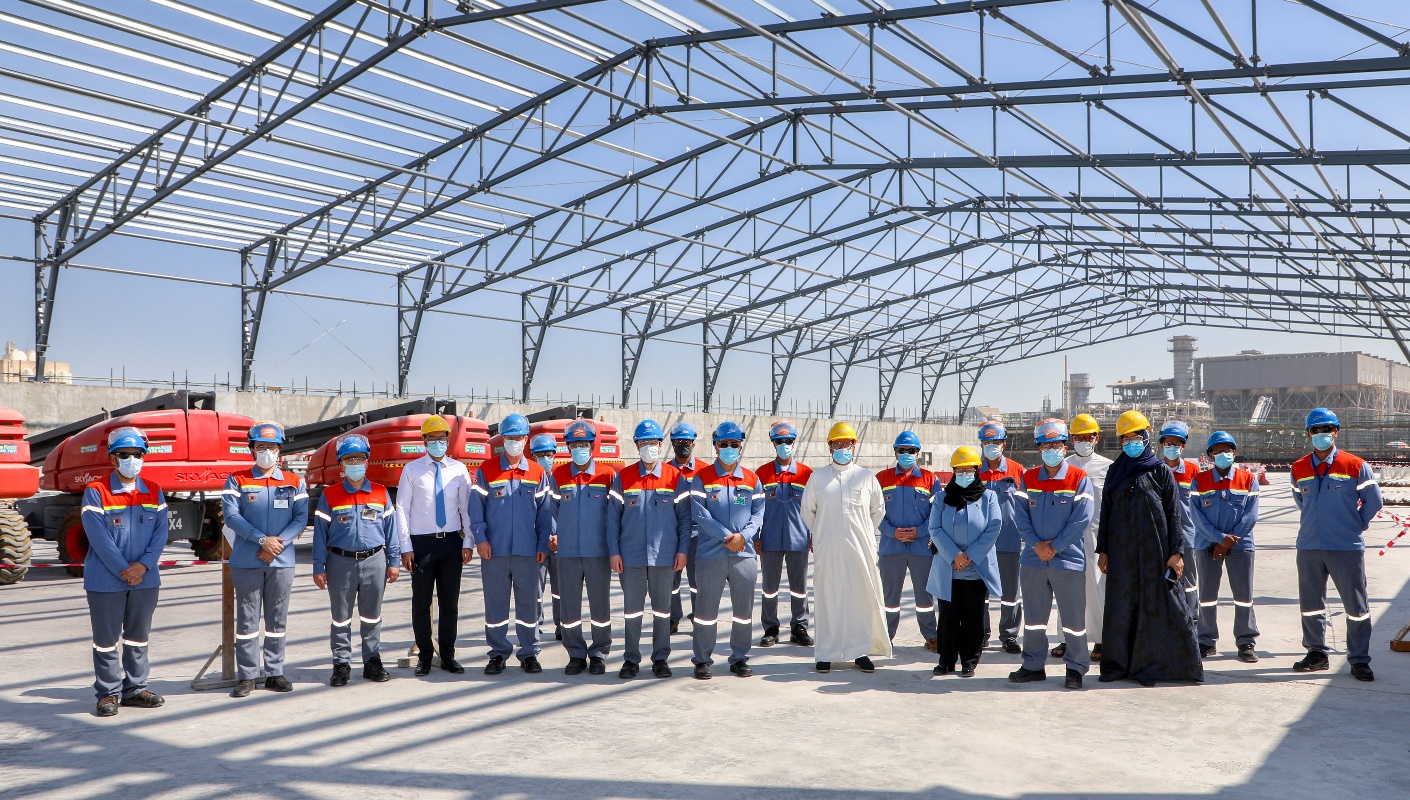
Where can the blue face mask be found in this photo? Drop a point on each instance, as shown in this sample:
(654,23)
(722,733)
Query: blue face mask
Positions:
(1052,457)
(546,462)
(437,449)
(1223,460)
(354,472)
(1134,448)
(906,460)
(993,451)
(1171,451)
(581,455)
(964,479)
(729,455)
(1323,441)
(843,457)
(783,451)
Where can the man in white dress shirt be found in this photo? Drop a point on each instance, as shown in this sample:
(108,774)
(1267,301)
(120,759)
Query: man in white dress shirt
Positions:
(433,518)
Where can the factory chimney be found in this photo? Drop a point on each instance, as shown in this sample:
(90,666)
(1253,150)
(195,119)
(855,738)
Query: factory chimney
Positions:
(1184,349)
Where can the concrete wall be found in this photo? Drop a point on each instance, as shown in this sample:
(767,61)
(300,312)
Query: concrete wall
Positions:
(47,406)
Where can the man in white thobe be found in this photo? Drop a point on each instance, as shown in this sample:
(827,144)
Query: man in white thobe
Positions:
(842,506)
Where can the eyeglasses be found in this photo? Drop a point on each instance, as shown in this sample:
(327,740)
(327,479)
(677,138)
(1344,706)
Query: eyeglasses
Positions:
(784,441)
(908,451)
(1323,429)
(728,443)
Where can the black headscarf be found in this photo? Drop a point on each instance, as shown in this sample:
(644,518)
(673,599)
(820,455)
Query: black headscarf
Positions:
(1125,467)
(958,497)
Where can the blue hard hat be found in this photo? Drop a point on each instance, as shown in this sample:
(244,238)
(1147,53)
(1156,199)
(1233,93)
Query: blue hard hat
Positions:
(579,431)
(1050,430)
(353,444)
(782,430)
(1322,416)
(682,430)
(728,431)
(993,432)
(646,430)
(1176,428)
(906,439)
(514,425)
(128,438)
(543,443)
(1220,437)
(271,432)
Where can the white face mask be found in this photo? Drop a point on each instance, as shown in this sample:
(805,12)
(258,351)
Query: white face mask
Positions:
(650,453)
(129,466)
(266,459)
(514,447)
(1084,449)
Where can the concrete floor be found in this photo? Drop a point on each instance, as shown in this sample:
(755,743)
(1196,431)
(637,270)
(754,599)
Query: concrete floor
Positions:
(1255,731)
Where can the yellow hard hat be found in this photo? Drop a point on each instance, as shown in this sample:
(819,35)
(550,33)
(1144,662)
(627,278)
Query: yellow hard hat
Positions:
(1130,422)
(842,430)
(965,456)
(1083,424)
(434,424)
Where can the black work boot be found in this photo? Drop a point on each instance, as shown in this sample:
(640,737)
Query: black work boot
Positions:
(373,670)
(1316,661)
(770,636)
(340,675)
(800,636)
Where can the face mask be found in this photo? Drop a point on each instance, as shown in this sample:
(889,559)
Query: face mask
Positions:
(1224,460)
(354,472)
(650,453)
(129,466)
(581,455)
(729,455)
(1323,441)
(993,451)
(964,479)
(438,449)
(1134,448)
(546,462)
(905,460)
(783,451)
(1083,449)
(512,447)
(842,456)
(683,451)
(266,459)
(1172,452)
(1052,457)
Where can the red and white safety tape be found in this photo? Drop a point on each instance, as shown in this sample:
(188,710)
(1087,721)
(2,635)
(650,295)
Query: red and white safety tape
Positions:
(1404,528)
(159,563)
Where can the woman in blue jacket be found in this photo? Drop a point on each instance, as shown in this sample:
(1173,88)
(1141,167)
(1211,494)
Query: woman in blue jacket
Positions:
(963,531)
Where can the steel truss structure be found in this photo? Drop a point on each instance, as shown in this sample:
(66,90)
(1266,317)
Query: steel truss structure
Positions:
(935,188)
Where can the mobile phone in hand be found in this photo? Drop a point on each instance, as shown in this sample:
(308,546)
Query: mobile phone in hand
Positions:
(1171,578)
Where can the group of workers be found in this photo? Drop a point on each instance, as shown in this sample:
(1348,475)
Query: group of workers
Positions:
(1132,551)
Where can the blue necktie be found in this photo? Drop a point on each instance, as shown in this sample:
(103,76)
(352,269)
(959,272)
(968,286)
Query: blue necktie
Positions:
(440,498)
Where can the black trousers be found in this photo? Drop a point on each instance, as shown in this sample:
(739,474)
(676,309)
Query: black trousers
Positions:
(962,628)
(437,569)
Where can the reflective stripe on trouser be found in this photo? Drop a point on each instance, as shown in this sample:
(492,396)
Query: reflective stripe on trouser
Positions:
(501,577)
(893,581)
(548,579)
(1189,583)
(771,566)
(1347,569)
(260,592)
(1040,586)
(636,583)
(122,622)
(1240,567)
(1010,603)
(360,584)
(711,576)
(677,606)
(1096,589)
(573,574)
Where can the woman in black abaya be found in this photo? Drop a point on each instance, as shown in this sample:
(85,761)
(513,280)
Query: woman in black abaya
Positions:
(1147,632)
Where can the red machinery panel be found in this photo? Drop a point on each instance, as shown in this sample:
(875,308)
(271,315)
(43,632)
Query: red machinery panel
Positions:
(188,451)
(17,477)
(397,441)
(607,450)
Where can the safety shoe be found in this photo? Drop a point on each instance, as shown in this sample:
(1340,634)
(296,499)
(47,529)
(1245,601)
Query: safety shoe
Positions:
(864,664)
(451,665)
(675,627)
(596,666)
(278,683)
(242,689)
(575,666)
(557,633)
(933,645)
(107,706)
(967,669)
(823,666)
(1247,654)
(702,672)
(1073,680)
(423,668)
(341,672)
(800,637)
(531,665)
(770,636)
(1059,651)
(628,670)
(373,670)
(741,669)
(1097,652)
(144,699)
(1208,651)
(1025,675)
(660,669)
(495,666)
(1362,672)
(1316,661)
(1012,647)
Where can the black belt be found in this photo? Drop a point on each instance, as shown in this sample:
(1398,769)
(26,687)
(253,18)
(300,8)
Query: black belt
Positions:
(357,554)
(442,534)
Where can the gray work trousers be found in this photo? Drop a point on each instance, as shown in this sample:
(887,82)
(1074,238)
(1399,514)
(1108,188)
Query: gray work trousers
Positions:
(1011,601)
(1189,582)
(573,573)
(1347,569)
(1040,586)
(122,621)
(502,577)
(711,575)
(1239,565)
(636,583)
(771,565)
(260,592)
(548,579)
(360,585)
(678,591)
(893,570)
